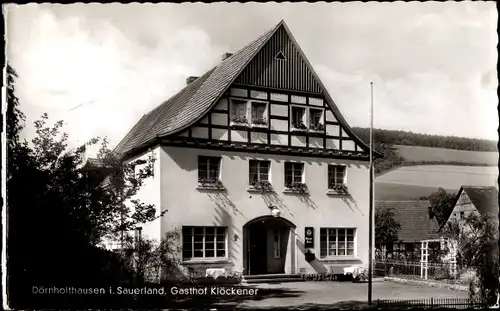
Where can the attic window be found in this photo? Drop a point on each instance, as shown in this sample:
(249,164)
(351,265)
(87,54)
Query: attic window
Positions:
(280,56)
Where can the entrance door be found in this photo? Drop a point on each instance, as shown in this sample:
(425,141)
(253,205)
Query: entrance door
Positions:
(257,249)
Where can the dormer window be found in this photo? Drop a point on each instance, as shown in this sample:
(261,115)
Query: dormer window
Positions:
(259,113)
(298,118)
(316,122)
(238,112)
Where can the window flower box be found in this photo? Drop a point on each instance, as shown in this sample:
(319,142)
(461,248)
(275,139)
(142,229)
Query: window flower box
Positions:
(337,189)
(297,188)
(262,186)
(261,122)
(318,127)
(210,183)
(299,127)
(239,121)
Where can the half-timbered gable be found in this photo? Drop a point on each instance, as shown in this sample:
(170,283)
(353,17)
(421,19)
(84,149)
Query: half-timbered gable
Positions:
(264,98)
(278,104)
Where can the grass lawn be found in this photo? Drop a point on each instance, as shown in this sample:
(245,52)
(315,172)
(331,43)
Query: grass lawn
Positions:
(334,295)
(445,176)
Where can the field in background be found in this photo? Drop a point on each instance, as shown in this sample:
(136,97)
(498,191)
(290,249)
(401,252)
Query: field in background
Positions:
(428,154)
(414,181)
(401,192)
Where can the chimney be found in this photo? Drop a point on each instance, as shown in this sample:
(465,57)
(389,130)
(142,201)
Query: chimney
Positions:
(226,56)
(190,79)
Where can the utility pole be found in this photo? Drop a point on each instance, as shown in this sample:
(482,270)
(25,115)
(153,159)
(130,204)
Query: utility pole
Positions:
(370,225)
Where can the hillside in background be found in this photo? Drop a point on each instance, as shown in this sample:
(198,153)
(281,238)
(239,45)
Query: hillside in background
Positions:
(400,148)
(390,137)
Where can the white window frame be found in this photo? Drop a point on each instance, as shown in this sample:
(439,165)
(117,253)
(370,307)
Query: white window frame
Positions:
(277,244)
(303,177)
(305,117)
(250,109)
(219,173)
(328,256)
(258,169)
(216,228)
(322,119)
(244,102)
(335,174)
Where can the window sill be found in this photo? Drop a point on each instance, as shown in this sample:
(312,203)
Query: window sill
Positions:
(237,124)
(339,258)
(295,191)
(316,131)
(202,261)
(299,130)
(260,125)
(337,193)
(255,190)
(210,187)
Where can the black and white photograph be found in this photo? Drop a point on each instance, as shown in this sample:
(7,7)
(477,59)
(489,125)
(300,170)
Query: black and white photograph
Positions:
(226,156)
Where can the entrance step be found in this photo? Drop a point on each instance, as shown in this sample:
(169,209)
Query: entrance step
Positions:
(272,278)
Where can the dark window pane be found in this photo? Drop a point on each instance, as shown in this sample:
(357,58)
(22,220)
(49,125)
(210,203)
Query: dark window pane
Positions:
(297,170)
(332,251)
(198,254)
(209,253)
(221,245)
(264,177)
(264,167)
(186,253)
(210,230)
(221,253)
(209,246)
(198,230)
(252,174)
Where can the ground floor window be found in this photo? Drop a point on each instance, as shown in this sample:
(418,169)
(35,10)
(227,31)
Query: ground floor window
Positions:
(336,242)
(204,242)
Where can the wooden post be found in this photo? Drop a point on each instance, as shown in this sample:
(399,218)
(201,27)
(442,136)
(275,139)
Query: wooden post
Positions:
(370,213)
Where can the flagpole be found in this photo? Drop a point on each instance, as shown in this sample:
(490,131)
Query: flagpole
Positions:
(370,216)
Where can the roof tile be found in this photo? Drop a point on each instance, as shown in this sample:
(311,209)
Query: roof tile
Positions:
(413,216)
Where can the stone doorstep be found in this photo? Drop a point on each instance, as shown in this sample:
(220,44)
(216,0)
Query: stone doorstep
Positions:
(428,283)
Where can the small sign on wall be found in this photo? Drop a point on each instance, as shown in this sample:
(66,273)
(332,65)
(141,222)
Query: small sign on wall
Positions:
(309,237)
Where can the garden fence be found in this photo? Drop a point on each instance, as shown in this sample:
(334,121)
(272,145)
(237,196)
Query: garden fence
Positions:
(413,269)
(455,303)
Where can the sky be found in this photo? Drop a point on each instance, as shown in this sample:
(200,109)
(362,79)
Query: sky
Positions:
(100,67)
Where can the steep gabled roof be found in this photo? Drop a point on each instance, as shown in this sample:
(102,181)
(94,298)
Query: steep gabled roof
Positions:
(197,98)
(413,216)
(485,199)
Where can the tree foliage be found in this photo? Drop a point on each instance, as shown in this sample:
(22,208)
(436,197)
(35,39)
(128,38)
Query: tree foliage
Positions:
(441,205)
(476,240)
(58,210)
(152,260)
(386,226)
(405,138)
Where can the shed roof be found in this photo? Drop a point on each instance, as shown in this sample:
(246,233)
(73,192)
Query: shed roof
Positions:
(413,216)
